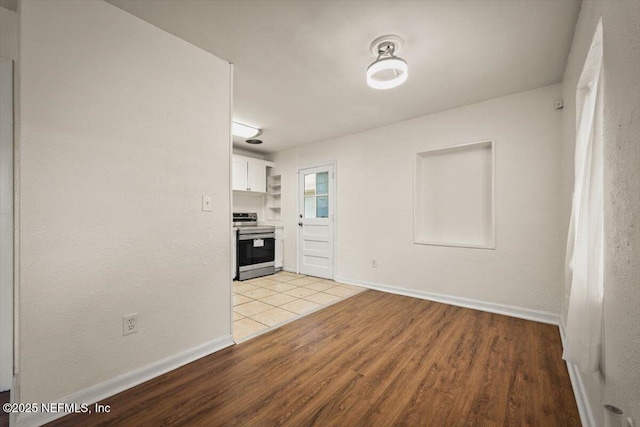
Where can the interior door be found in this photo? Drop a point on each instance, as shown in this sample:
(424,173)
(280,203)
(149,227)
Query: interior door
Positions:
(316,219)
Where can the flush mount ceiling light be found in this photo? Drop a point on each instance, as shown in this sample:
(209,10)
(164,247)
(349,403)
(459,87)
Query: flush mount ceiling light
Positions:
(387,71)
(244,131)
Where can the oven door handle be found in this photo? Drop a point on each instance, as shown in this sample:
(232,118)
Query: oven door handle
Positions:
(256,236)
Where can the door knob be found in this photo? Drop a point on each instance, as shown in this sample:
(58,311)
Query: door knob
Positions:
(300,224)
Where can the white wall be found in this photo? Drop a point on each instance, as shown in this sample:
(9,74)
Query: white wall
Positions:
(375,203)
(8,51)
(619,384)
(249,202)
(246,153)
(6,223)
(8,33)
(123,128)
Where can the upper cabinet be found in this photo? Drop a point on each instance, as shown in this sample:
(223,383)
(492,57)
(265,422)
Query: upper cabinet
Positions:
(240,168)
(257,177)
(249,174)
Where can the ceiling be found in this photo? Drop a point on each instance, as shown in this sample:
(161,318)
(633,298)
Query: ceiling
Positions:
(299,66)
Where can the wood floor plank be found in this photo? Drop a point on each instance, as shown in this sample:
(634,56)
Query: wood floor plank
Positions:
(374,359)
(5,397)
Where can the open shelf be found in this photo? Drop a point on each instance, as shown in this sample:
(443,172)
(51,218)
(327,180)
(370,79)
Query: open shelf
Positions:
(274,183)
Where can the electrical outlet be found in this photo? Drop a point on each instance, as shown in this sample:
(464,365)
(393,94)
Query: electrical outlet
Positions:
(130,324)
(374,263)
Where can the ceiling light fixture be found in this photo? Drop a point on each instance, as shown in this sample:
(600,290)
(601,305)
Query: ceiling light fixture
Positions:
(387,71)
(244,131)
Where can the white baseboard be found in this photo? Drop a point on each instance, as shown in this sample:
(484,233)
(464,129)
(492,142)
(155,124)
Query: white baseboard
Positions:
(582,400)
(125,381)
(507,310)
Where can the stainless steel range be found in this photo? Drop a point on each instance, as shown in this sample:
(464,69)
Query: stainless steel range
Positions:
(255,246)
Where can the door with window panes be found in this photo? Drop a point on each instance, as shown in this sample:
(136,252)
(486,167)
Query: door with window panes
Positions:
(316,221)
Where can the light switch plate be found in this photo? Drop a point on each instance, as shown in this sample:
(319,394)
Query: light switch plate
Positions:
(207,204)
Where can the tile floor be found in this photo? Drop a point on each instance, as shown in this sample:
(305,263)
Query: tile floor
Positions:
(265,303)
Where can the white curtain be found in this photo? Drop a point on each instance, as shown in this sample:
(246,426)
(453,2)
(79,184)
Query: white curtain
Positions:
(585,252)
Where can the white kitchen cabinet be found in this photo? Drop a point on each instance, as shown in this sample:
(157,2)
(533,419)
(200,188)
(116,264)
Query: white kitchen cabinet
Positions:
(249,174)
(239,174)
(234,253)
(279,248)
(257,177)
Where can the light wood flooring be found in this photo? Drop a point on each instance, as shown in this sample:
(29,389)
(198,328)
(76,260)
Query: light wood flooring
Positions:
(374,359)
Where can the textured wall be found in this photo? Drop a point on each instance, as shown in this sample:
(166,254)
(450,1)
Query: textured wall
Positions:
(123,128)
(619,383)
(375,203)
(8,33)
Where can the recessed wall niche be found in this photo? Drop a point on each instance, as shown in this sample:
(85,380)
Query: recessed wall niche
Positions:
(454,196)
